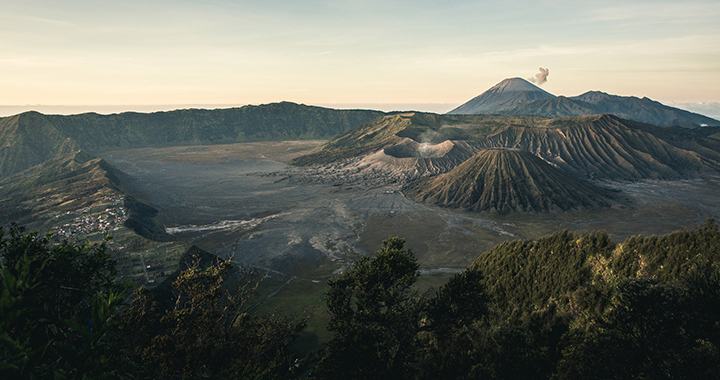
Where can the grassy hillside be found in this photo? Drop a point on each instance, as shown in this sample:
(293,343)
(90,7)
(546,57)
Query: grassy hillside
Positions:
(56,186)
(569,268)
(30,139)
(270,122)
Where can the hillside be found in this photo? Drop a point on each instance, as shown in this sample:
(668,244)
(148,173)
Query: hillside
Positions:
(32,138)
(505,94)
(644,110)
(62,184)
(594,147)
(568,265)
(505,180)
(607,147)
(516,96)
(628,107)
(269,122)
(366,138)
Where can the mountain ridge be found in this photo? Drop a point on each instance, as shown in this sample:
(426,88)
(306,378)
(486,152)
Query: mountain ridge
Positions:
(524,100)
(504,94)
(502,180)
(590,147)
(31,138)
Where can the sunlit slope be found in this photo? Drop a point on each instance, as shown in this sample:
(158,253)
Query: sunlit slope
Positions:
(29,139)
(66,183)
(364,139)
(504,180)
(270,122)
(566,268)
(594,147)
(607,147)
(516,96)
(507,93)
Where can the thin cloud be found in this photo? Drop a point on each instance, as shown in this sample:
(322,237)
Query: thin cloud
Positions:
(674,13)
(39,20)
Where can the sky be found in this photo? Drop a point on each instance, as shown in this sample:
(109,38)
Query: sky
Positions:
(385,53)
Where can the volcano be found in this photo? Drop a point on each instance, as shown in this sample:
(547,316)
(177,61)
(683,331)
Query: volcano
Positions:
(503,95)
(508,180)
(516,96)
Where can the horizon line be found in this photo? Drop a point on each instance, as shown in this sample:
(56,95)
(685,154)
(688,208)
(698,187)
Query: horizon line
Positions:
(65,109)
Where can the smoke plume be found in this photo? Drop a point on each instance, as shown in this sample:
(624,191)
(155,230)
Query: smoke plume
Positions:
(541,77)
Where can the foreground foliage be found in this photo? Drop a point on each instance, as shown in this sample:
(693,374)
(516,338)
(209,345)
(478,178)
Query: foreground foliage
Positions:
(208,333)
(57,304)
(565,306)
(61,318)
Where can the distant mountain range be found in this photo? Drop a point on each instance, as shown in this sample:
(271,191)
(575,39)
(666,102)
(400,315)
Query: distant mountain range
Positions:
(516,96)
(31,138)
(50,163)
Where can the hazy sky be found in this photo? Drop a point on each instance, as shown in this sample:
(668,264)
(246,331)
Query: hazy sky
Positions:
(97,52)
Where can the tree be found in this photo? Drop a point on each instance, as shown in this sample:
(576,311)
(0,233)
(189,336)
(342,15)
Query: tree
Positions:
(652,331)
(208,332)
(373,313)
(57,308)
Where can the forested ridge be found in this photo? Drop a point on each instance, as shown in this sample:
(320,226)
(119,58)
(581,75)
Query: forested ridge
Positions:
(565,306)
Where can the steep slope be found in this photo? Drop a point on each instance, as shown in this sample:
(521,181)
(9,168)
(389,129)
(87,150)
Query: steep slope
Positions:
(30,139)
(276,121)
(505,180)
(65,183)
(555,107)
(644,110)
(518,97)
(505,94)
(607,147)
(367,138)
(594,147)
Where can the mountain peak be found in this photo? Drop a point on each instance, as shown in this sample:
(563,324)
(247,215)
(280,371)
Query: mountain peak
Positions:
(515,85)
(505,94)
(507,180)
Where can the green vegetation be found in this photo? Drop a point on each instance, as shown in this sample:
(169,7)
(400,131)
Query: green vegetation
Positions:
(61,318)
(270,122)
(56,186)
(372,313)
(564,306)
(30,139)
(57,307)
